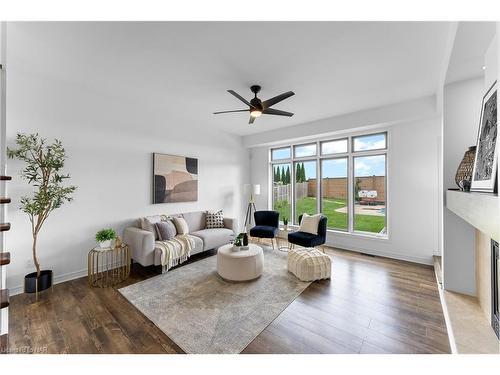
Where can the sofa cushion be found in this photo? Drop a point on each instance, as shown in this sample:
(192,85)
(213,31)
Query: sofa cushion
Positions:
(166,230)
(215,220)
(180,225)
(195,220)
(214,238)
(148,223)
(305,239)
(264,231)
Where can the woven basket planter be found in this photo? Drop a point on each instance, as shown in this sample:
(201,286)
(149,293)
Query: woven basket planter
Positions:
(464,171)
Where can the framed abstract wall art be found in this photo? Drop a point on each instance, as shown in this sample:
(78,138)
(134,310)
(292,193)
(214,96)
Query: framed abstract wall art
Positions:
(175,179)
(485,166)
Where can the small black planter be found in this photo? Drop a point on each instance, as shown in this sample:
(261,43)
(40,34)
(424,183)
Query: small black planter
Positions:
(44,281)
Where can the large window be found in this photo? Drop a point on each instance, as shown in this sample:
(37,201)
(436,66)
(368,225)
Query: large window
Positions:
(345,179)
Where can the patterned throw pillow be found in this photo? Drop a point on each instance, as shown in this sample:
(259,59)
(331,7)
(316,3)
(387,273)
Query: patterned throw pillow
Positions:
(166,230)
(215,220)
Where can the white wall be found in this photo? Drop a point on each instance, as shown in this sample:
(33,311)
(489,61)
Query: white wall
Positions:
(412,185)
(461,111)
(109,143)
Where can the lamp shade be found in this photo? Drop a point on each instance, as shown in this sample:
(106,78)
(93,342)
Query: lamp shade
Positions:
(251,189)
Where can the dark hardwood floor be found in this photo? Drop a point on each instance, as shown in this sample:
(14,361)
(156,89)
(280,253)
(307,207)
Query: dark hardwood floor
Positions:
(371,305)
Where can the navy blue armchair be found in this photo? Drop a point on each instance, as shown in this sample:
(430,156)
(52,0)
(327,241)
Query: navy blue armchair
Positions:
(307,239)
(266,225)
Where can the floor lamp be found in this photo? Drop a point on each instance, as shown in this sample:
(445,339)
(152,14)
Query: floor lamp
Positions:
(252,190)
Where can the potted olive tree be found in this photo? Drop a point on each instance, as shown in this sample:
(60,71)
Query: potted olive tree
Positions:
(43,170)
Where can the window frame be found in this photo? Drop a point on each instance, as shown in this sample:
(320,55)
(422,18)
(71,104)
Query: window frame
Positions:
(319,157)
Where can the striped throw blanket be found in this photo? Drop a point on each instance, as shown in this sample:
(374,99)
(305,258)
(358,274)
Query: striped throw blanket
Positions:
(175,251)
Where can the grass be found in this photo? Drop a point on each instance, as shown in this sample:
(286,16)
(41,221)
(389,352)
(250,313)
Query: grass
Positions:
(336,220)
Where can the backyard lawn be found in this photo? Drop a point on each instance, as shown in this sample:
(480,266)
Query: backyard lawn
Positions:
(336,220)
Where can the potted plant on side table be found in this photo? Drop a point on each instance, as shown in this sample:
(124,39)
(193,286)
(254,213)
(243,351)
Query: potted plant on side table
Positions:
(43,170)
(104,238)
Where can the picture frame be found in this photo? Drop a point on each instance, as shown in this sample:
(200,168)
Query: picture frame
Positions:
(484,174)
(175,178)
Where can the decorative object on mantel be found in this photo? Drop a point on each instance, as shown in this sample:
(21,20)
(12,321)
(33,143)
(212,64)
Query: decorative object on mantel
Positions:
(464,185)
(104,238)
(175,179)
(464,171)
(485,165)
(44,164)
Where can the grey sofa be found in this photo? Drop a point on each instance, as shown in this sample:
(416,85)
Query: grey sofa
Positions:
(141,238)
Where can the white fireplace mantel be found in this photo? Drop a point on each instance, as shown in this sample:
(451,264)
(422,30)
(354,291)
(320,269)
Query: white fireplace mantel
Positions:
(481,210)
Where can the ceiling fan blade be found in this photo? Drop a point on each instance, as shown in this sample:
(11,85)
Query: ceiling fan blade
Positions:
(269,102)
(252,119)
(232,92)
(270,111)
(236,110)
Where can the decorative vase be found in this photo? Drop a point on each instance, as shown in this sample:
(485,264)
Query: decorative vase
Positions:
(245,239)
(118,242)
(464,171)
(105,244)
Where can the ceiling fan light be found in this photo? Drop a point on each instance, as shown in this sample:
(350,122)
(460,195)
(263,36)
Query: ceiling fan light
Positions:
(255,113)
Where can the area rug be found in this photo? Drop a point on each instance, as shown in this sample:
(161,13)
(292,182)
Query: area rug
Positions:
(202,313)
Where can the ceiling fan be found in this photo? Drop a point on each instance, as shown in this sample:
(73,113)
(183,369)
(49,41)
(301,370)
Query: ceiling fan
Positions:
(258,107)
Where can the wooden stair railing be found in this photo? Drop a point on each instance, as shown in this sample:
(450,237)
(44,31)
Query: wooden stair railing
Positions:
(4,298)
(4,259)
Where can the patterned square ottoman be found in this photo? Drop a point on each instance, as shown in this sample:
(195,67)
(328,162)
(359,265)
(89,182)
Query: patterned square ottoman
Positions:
(309,264)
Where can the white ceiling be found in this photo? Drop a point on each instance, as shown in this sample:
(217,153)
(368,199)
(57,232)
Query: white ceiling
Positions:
(186,67)
(471,42)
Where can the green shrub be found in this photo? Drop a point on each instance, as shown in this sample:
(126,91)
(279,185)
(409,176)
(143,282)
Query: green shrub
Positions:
(105,235)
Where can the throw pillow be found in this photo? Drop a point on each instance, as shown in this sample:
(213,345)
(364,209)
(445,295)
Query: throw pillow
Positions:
(215,220)
(148,223)
(166,230)
(309,224)
(180,225)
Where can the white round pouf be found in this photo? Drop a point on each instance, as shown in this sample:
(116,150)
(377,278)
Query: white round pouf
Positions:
(240,265)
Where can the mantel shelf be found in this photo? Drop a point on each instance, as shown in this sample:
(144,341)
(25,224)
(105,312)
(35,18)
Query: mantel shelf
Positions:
(481,210)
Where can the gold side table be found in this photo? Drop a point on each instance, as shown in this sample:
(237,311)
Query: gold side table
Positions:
(108,267)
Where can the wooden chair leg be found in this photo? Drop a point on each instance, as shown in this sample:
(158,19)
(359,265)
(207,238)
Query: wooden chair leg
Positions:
(272,242)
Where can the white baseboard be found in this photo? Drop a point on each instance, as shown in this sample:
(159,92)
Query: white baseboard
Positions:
(409,258)
(57,279)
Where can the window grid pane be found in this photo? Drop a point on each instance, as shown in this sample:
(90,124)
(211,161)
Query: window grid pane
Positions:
(306,150)
(282,193)
(334,147)
(370,142)
(370,194)
(281,153)
(305,189)
(335,192)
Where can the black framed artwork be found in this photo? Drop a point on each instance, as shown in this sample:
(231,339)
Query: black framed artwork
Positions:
(485,166)
(175,179)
